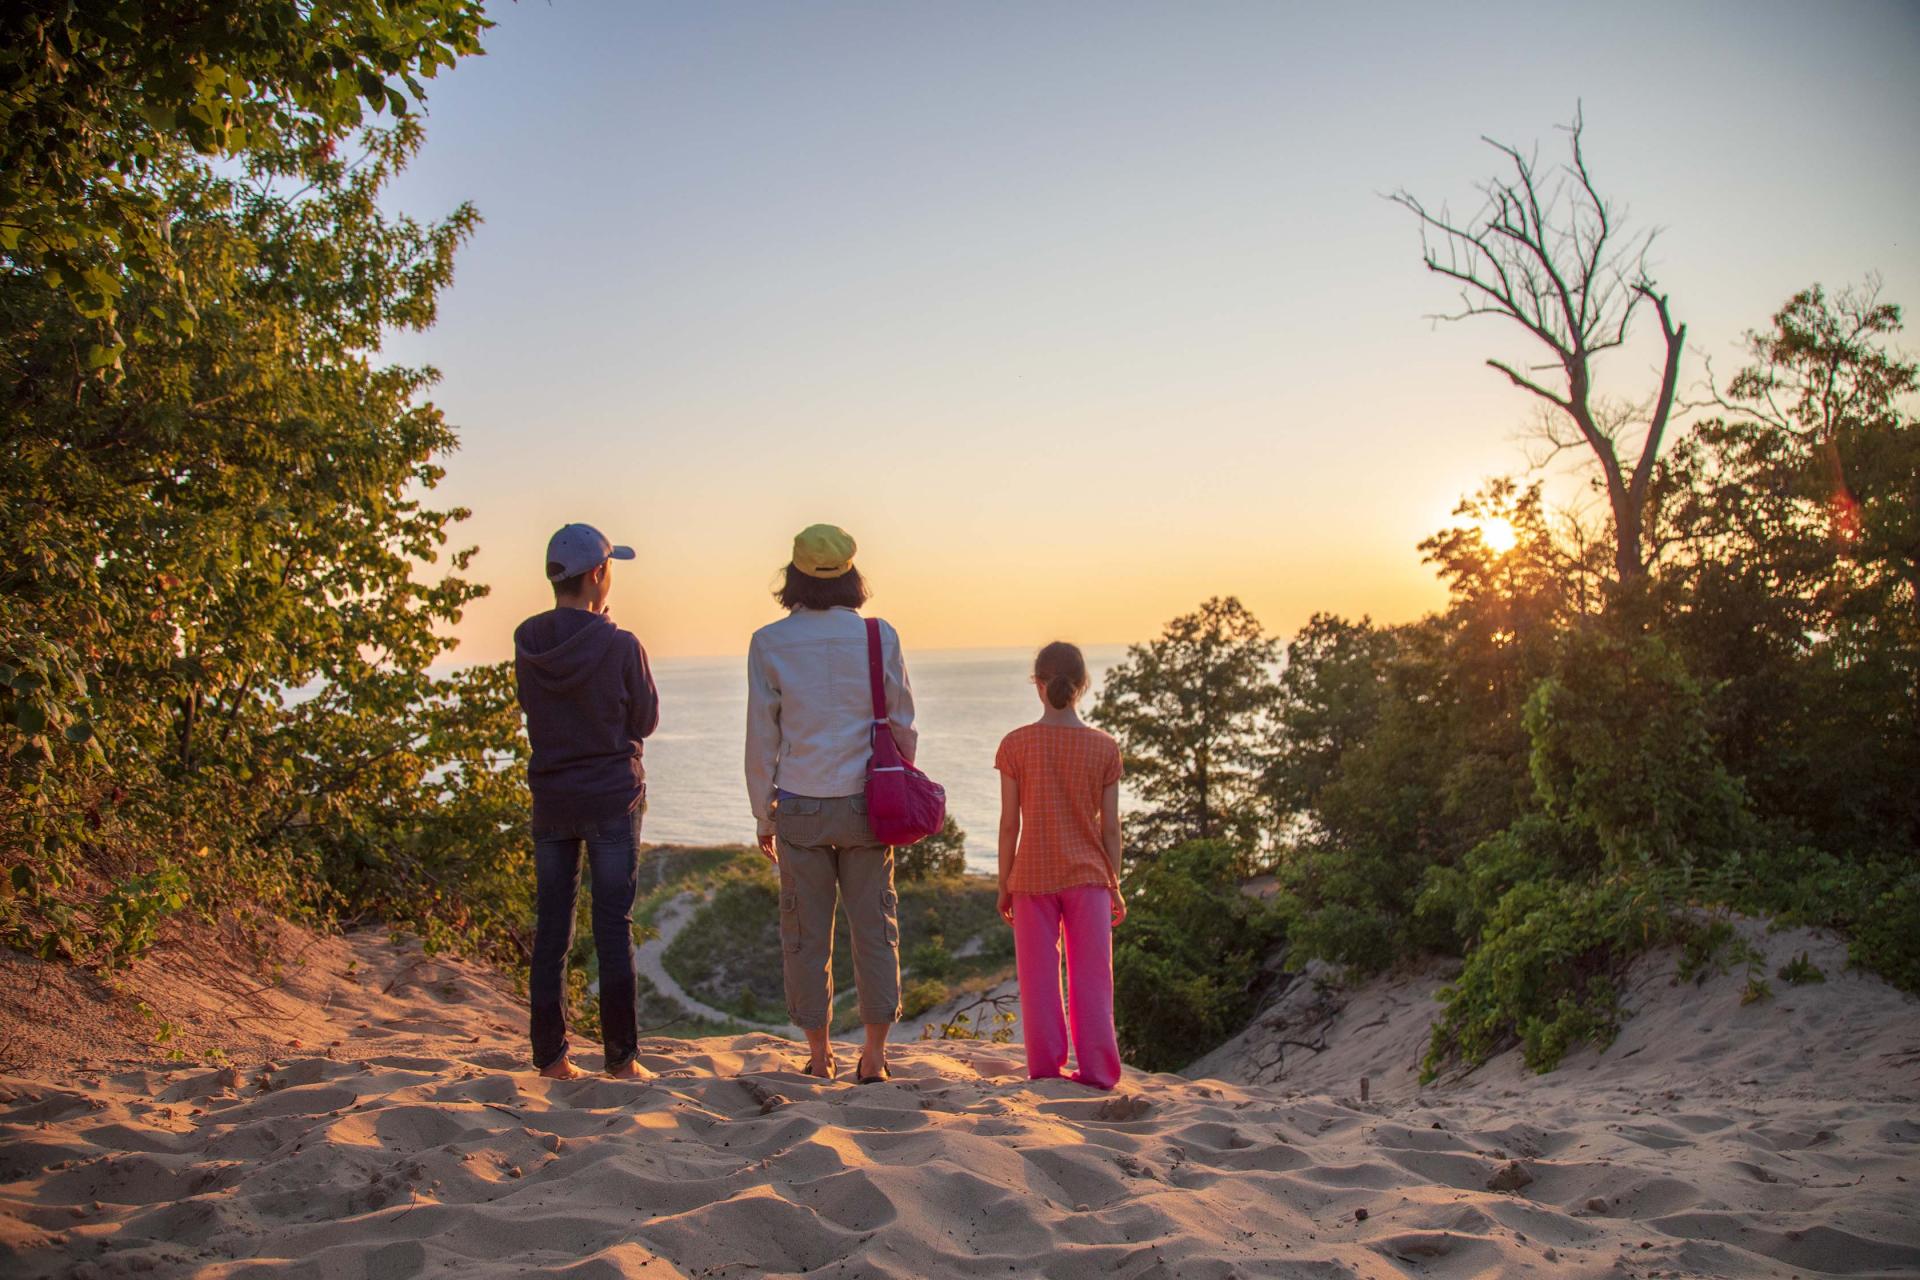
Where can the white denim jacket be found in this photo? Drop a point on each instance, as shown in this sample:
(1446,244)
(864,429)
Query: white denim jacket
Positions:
(810,709)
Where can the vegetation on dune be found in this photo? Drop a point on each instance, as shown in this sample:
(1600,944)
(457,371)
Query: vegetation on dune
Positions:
(1620,728)
(1681,742)
(1187,963)
(729,956)
(215,628)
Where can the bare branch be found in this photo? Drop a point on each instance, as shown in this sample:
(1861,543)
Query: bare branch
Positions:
(1500,291)
(1534,387)
(1548,252)
(1676,338)
(1552,428)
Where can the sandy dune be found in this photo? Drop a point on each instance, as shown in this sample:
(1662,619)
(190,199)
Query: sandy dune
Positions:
(1848,1036)
(422,1147)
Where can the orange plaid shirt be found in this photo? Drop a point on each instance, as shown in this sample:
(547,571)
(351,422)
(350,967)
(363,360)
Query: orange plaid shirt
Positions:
(1063,772)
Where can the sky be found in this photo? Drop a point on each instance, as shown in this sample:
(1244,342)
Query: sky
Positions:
(1075,314)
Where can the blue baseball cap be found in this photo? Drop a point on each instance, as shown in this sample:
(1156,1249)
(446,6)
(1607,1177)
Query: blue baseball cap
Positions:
(580,547)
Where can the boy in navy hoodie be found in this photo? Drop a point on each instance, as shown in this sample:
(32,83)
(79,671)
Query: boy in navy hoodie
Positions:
(589,700)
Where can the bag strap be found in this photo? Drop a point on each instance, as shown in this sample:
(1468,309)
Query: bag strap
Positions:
(874,679)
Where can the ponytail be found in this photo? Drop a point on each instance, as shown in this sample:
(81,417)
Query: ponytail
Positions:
(1061,670)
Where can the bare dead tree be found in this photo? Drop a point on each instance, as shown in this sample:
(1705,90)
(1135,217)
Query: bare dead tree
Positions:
(1547,252)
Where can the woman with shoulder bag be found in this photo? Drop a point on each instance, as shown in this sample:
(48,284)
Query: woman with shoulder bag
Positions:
(826,689)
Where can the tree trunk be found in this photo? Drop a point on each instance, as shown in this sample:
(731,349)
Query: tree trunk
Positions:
(189,714)
(1628,560)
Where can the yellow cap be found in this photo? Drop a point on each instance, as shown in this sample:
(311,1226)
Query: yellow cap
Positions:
(823,551)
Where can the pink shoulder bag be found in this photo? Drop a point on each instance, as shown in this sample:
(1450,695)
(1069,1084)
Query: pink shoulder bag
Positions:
(904,805)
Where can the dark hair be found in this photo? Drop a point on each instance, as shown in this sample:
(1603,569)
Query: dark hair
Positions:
(565,586)
(1061,670)
(799,590)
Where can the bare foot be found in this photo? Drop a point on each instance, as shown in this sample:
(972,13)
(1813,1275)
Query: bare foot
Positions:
(629,1071)
(562,1070)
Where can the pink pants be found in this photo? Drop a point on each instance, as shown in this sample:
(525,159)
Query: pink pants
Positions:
(1084,914)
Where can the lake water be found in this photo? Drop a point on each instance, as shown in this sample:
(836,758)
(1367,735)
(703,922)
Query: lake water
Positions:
(965,701)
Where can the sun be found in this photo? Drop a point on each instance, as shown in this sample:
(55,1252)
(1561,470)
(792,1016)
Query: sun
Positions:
(1498,533)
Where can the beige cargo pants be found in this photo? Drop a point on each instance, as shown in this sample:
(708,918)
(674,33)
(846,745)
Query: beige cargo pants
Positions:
(828,852)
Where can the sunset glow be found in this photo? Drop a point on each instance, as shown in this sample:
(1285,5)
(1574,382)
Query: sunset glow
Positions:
(1070,336)
(1498,533)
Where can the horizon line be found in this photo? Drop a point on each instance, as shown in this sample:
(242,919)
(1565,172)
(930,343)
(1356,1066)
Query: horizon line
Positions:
(740,655)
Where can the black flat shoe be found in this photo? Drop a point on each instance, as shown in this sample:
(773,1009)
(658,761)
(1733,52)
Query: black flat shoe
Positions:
(827,1074)
(861,1077)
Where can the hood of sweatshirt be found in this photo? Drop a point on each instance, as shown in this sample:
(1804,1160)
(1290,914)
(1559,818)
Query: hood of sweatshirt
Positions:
(563,649)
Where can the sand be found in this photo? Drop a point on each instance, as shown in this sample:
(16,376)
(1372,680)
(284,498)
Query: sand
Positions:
(406,1138)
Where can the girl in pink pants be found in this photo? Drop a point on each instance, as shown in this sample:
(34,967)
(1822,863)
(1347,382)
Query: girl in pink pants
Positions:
(1059,873)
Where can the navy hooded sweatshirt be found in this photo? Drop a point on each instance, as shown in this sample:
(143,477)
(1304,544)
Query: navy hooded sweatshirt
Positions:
(589,701)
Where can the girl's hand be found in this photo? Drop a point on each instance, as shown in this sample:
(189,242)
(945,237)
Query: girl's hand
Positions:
(765,837)
(1005,905)
(1119,903)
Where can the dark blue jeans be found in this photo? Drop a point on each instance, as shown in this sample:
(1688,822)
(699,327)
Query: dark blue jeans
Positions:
(613,862)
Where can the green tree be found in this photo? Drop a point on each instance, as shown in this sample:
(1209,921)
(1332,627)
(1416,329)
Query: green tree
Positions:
(1792,571)
(1191,711)
(220,610)
(1189,960)
(1328,701)
(98,101)
(1622,747)
(1434,758)
(942,854)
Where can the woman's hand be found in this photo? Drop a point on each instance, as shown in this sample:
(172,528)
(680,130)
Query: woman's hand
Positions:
(1005,905)
(766,840)
(1118,903)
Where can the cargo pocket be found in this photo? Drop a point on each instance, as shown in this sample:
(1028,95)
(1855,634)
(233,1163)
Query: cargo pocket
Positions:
(890,914)
(800,821)
(790,922)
